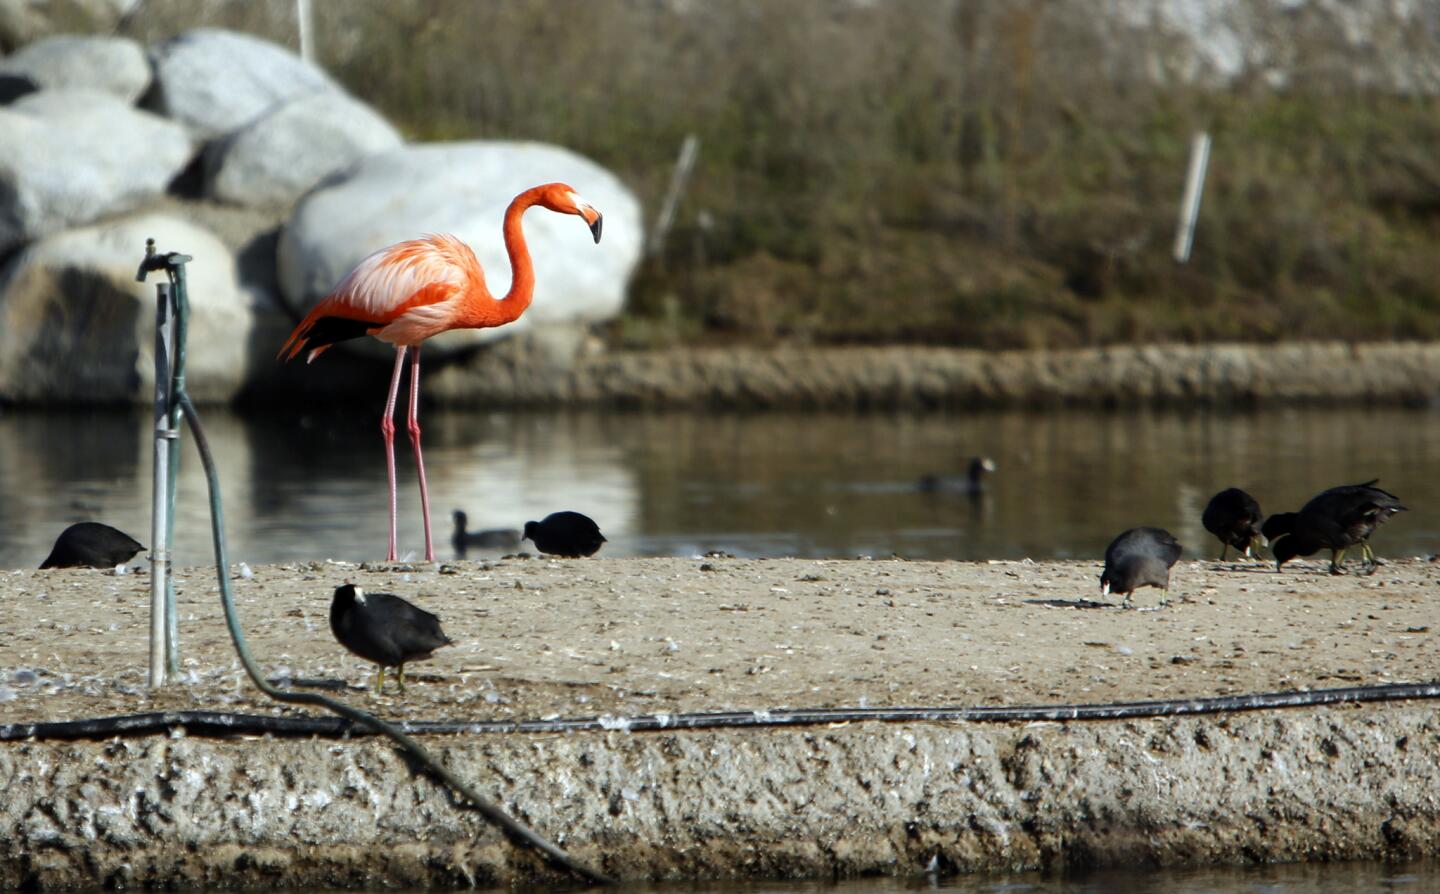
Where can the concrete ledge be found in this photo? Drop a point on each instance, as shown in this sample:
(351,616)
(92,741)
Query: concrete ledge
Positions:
(1318,784)
(639,636)
(519,373)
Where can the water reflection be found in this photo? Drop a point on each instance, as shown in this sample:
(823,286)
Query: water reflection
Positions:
(1293,878)
(304,487)
(1360,877)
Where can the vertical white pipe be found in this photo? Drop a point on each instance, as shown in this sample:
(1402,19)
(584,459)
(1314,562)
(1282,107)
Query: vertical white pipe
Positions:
(683,166)
(160,504)
(305,22)
(1190,204)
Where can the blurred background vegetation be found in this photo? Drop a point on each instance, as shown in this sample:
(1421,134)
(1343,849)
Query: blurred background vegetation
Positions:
(1001,173)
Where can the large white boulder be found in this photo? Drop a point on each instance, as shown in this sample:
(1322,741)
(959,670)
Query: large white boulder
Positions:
(464,188)
(114,65)
(215,81)
(275,160)
(69,157)
(76,326)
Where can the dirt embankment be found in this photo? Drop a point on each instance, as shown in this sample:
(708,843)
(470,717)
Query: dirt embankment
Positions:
(918,377)
(640,636)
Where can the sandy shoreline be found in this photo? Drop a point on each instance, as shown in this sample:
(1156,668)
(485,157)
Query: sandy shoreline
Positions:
(538,638)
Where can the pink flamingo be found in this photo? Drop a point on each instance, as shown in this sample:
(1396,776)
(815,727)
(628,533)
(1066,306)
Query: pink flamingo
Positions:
(416,289)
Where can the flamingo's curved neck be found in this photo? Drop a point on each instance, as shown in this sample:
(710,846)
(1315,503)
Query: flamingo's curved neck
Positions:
(522,272)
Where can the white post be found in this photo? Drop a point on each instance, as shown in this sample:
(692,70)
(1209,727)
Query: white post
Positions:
(683,165)
(305,22)
(159,521)
(1190,204)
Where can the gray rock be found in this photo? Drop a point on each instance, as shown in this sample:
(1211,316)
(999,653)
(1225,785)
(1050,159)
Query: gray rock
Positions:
(280,157)
(113,65)
(68,157)
(75,326)
(214,81)
(250,234)
(24,21)
(464,188)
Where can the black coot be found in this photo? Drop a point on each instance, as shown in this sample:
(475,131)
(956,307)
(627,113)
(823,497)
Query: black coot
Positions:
(973,482)
(91,545)
(385,629)
(1334,519)
(491,538)
(1234,516)
(1294,534)
(1358,509)
(1140,557)
(567,534)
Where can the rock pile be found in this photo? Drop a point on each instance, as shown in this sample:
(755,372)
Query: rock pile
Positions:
(276,180)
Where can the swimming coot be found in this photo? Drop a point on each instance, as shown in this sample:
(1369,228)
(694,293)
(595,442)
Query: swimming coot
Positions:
(972,482)
(567,534)
(490,538)
(1140,557)
(385,629)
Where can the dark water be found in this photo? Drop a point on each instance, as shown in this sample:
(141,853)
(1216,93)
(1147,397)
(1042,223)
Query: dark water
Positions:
(683,483)
(1290,878)
(1300,878)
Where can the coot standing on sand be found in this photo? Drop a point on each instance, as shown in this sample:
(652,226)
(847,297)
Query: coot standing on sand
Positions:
(1140,557)
(1294,534)
(385,629)
(566,534)
(972,483)
(91,545)
(490,538)
(1334,519)
(1234,516)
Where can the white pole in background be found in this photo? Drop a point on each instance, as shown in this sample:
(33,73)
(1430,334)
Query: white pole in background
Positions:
(305,19)
(683,166)
(1190,204)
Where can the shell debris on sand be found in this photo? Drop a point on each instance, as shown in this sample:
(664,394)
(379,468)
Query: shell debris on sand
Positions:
(660,635)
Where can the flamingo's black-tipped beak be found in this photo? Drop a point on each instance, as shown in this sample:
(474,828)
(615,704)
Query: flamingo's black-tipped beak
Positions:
(595,226)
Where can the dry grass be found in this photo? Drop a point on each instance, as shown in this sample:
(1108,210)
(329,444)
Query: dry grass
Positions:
(996,172)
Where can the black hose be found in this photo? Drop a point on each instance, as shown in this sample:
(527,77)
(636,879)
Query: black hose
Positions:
(216,723)
(516,830)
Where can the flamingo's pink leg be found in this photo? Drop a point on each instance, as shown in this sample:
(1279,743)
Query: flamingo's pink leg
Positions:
(387,428)
(413,423)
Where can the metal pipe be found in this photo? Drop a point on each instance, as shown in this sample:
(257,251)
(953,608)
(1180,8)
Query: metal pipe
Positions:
(180,309)
(172,315)
(161,501)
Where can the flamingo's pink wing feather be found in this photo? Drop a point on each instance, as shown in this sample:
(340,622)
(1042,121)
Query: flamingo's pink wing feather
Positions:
(388,283)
